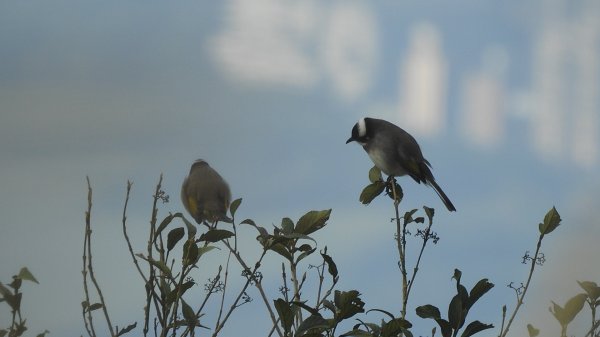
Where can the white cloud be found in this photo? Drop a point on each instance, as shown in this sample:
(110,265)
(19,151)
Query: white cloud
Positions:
(286,42)
(565,84)
(263,42)
(482,112)
(350,50)
(424,79)
(482,119)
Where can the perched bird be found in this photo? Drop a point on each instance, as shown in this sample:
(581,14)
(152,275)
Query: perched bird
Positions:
(205,194)
(395,152)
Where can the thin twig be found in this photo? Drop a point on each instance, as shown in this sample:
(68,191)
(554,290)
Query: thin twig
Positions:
(401,243)
(210,291)
(258,286)
(124,220)
(296,297)
(416,269)
(226,278)
(592,331)
(93,277)
(520,298)
(251,278)
(284,278)
(89,323)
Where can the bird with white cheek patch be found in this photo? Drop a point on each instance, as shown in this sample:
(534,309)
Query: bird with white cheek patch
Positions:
(395,152)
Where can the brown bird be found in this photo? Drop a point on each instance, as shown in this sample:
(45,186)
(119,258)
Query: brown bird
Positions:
(205,194)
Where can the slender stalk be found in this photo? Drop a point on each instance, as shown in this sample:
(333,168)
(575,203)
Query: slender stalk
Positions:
(241,293)
(88,320)
(226,278)
(258,286)
(124,220)
(91,267)
(416,268)
(522,296)
(591,332)
(296,297)
(151,296)
(401,243)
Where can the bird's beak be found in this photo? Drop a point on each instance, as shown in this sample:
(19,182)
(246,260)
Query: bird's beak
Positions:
(349,140)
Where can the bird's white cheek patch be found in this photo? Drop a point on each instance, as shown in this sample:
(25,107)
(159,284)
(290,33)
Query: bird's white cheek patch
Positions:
(362,127)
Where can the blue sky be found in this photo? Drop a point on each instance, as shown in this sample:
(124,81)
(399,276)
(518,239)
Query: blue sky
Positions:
(504,99)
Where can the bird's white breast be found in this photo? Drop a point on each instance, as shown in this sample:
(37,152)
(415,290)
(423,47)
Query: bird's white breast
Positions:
(381,160)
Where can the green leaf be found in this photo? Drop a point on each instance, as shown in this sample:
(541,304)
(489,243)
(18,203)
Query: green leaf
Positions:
(216,235)
(389,314)
(287,226)
(304,306)
(432,312)
(428,311)
(348,304)
(188,314)
(25,274)
(174,236)
(591,289)
(164,223)
(394,327)
(456,316)
(430,212)
(551,221)
(457,275)
(573,306)
(249,222)
(191,228)
(445,327)
(286,314)
(3,332)
(158,264)
(393,185)
(261,230)
(305,254)
(312,322)
(312,221)
(371,192)
(331,267)
(475,327)
(173,295)
(16,283)
(375,174)
(234,206)
(94,306)
(408,216)
(329,305)
(358,333)
(43,334)
(127,329)
(190,252)
(533,332)
(281,250)
(205,249)
(13,301)
(478,290)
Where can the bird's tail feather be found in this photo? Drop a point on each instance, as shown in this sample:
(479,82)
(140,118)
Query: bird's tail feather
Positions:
(442,195)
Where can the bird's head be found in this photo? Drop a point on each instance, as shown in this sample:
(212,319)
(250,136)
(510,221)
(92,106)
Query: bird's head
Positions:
(359,132)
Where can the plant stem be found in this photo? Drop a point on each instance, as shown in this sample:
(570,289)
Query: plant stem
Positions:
(90,265)
(401,243)
(522,296)
(257,284)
